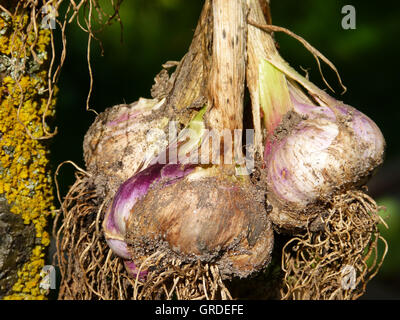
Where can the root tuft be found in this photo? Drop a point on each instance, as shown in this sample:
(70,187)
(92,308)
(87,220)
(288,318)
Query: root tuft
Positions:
(339,261)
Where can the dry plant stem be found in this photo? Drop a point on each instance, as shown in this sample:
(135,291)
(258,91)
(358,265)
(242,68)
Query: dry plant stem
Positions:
(261,45)
(317,55)
(185,89)
(213,70)
(266,10)
(227,73)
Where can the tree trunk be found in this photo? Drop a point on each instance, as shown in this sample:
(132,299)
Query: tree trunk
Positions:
(26,197)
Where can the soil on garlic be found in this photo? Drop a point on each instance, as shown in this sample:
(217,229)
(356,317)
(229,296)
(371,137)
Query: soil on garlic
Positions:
(289,121)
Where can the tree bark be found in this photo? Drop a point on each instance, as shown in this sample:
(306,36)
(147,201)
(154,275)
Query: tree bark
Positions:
(26,195)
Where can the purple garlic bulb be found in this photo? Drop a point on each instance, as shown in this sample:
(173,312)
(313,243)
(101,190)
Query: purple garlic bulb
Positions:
(316,152)
(191,214)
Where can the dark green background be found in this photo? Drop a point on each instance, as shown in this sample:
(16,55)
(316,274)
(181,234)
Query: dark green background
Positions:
(155,31)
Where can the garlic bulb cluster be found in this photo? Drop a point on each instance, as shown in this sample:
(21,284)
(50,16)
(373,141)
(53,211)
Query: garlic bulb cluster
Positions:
(185,210)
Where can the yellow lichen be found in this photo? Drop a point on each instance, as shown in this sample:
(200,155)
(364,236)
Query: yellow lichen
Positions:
(25,181)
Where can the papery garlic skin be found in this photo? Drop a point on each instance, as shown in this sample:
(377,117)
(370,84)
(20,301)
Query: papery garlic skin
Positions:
(366,130)
(132,190)
(134,270)
(119,247)
(331,149)
(121,139)
(128,194)
(295,168)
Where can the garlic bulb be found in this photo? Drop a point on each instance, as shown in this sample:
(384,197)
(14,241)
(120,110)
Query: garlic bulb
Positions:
(121,139)
(191,214)
(314,146)
(128,194)
(329,150)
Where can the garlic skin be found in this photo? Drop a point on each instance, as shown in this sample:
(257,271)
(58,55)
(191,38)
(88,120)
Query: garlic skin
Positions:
(126,197)
(330,150)
(121,139)
(128,194)
(366,130)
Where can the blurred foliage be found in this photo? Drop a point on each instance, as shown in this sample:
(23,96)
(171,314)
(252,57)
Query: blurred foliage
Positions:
(392,217)
(156,31)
